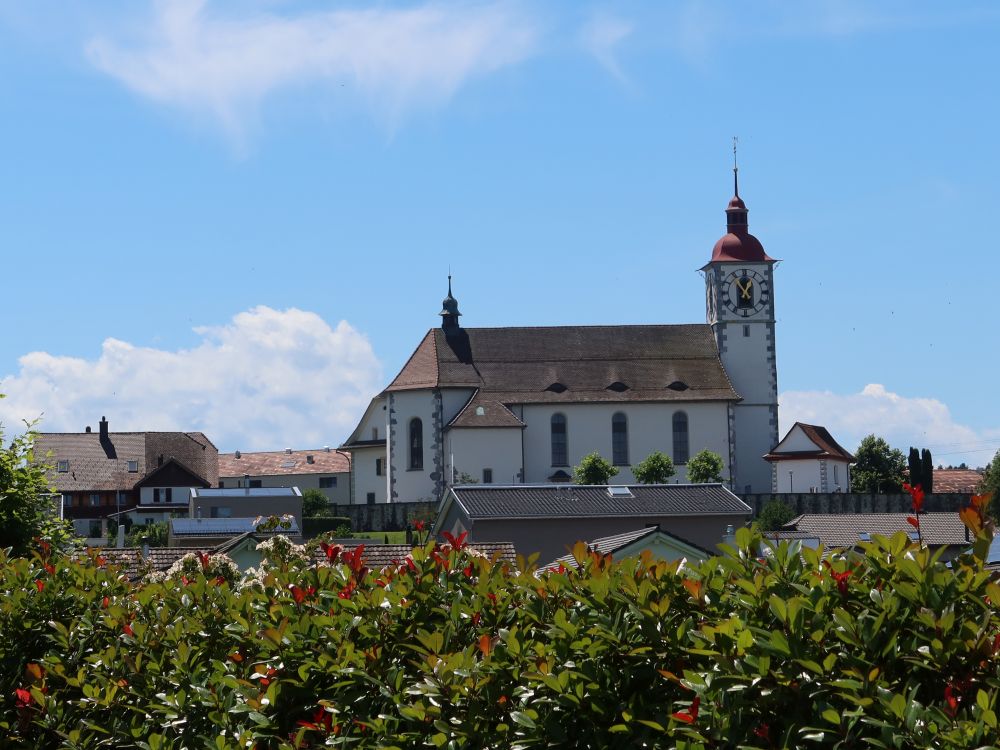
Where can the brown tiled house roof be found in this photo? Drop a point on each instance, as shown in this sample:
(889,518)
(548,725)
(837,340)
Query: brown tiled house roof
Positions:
(96,464)
(826,446)
(572,364)
(956,480)
(269,463)
(845,529)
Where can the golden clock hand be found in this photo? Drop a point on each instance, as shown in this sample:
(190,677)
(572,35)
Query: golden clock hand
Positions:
(745,289)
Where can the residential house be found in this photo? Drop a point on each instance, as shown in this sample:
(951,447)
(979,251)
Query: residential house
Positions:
(324,469)
(808,459)
(660,544)
(146,474)
(550,519)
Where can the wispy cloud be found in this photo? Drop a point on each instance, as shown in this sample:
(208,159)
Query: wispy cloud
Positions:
(601,36)
(267,379)
(903,421)
(225,64)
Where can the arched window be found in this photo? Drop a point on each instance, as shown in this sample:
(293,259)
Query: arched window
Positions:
(619,439)
(559,452)
(416,444)
(682,451)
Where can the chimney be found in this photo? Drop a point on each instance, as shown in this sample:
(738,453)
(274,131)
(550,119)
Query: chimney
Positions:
(246,483)
(121,535)
(310,459)
(326,448)
(88,428)
(104,428)
(288,451)
(238,455)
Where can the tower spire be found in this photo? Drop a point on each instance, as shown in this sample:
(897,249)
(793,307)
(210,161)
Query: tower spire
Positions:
(449,310)
(736,169)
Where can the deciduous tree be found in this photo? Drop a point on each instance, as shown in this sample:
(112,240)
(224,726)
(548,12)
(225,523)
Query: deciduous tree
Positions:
(879,467)
(656,468)
(594,469)
(704,466)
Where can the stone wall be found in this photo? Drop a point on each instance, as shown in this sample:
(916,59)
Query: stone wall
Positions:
(386,517)
(854,502)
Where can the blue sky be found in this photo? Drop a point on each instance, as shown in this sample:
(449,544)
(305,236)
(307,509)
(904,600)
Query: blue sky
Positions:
(239,216)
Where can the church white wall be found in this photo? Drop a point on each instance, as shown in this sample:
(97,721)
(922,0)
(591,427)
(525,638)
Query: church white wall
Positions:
(475,449)
(753,442)
(374,423)
(412,485)
(365,478)
(650,428)
(745,362)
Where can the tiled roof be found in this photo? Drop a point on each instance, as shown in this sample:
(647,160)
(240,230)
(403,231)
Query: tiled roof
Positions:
(380,555)
(519,365)
(276,463)
(826,446)
(483,412)
(956,480)
(844,529)
(579,501)
(96,465)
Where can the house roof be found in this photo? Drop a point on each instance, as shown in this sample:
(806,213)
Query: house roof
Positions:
(96,464)
(380,555)
(497,502)
(826,446)
(609,545)
(277,463)
(480,411)
(844,529)
(150,480)
(956,480)
(572,364)
(211,527)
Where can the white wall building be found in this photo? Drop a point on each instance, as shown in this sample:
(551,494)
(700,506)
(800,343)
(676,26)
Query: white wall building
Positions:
(808,459)
(524,405)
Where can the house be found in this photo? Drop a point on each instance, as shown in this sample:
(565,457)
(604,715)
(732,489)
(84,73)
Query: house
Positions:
(652,539)
(549,519)
(808,459)
(957,481)
(206,533)
(325,469)
(525,404)
(845,530)
(248,502)
(146,474)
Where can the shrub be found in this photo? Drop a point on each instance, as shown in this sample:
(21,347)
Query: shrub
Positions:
(882,647)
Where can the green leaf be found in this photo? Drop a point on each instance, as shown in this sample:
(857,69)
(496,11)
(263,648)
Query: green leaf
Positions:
(523,719)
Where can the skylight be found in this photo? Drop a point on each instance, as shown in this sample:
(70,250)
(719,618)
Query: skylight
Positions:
(864,536)
(619,490)
(287,464)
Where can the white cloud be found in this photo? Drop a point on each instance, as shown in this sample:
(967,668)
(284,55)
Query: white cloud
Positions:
(269,379)
(901,420)
(600,36)
(226,64)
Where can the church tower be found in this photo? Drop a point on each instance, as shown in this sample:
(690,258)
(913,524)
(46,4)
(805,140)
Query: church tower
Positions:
(739,286)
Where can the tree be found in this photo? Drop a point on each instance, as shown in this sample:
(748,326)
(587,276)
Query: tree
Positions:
(315,504)
(914,467)
(927,471)
(656,468)
(775,514)
(990,483)
(27,503)
(155,533)
(594,469)
(704,466)
(879,467)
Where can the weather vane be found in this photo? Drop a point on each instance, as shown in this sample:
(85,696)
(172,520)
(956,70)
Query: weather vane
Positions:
(736,169)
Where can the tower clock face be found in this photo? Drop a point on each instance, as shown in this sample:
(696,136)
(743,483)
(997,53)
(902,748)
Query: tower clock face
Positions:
(745,292)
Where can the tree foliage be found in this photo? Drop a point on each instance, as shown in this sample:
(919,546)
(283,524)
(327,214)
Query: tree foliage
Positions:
(879,468)
(704,466)
(594,469)
(775,514)
(315,504)
(154,533)
(927,471)
(990,483)
(914,468)
(28,507)
(765,646)
(656,468)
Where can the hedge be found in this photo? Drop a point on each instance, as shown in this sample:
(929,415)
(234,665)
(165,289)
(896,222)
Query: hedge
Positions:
(886,647)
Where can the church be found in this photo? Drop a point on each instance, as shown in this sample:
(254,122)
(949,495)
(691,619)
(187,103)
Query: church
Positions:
(525,405)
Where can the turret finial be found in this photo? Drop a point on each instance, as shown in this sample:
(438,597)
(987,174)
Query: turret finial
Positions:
(736,169)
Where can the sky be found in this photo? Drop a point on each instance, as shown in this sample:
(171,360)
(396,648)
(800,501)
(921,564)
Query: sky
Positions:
(238,216)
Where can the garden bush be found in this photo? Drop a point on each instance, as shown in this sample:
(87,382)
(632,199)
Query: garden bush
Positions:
(886,647)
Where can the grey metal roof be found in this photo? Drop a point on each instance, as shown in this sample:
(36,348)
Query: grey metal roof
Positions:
(845,529)
(249,492)
(575,501)
(609,545)
(217,526)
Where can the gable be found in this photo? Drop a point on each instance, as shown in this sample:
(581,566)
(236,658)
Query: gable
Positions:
(172,474)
